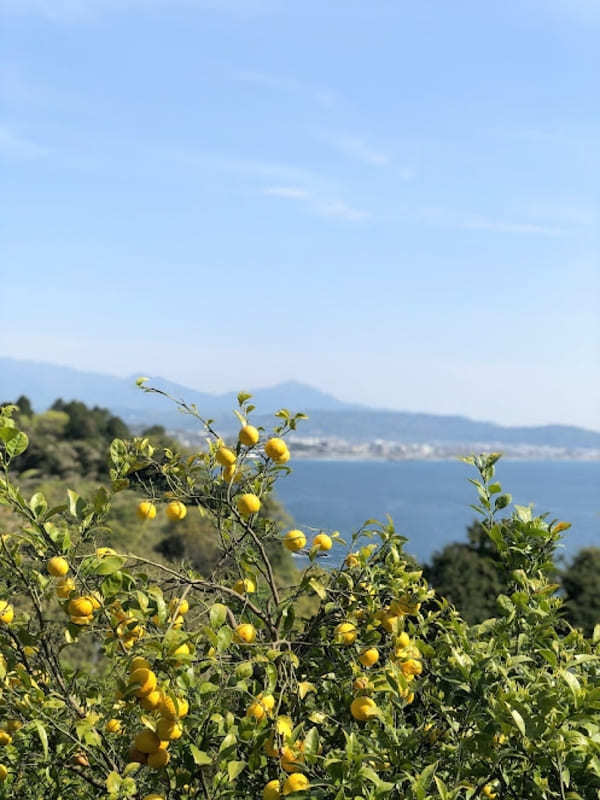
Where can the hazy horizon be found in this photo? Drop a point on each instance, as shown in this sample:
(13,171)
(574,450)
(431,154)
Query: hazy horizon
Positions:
(396,203)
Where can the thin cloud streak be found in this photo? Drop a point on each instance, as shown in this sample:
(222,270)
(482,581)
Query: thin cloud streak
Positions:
(16,147)
(356,148)
(322,206)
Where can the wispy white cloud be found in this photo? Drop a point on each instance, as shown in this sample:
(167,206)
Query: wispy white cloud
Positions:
(319,204)
(287,192)
(13,146)
(321,95)
(448,218)
(356,148)
(81,10)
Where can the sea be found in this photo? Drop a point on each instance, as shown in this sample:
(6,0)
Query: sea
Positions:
(429,500)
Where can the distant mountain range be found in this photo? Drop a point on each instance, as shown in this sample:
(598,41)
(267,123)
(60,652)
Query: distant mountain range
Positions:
(43,383)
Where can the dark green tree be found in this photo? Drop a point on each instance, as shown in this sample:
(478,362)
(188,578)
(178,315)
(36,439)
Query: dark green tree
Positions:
(581,585)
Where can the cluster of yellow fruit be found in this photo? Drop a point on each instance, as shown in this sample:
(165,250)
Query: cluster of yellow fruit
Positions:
(405,655)
(295,540)
(80,608)
(279,745)
(150,745)
(175,510)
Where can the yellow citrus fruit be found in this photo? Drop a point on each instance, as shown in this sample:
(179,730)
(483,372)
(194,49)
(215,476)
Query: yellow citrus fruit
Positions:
(277,449)
(138,662)
(296,782)
(95,599)
(113,726)
(272,791)
(488,791)
(175,510)
(403,606)
(146,680)
(146,510)
(102,552)
(352,560)
(173,709)
(80,607)
(267,700)
(256,710)
(151,701)
(284,726)
(248,504)
(363,708)
(180,606)
(5,738)
(13,725)
(136,756)
(4,773)
(361,684)
(147,741)
(403,640)
(411,667)
(248,435)
(244,586)
(322,542)
(291,756)
(224,456)
(153,797)
(7,612)
(294,541)
(81,620)
(245,633)
(58,567)
(160,758)
(65,587)
(369,657)
(390,622)
(168,729)
(229,473)
(345,633)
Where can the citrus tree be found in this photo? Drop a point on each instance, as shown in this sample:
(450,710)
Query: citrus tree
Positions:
(122,677)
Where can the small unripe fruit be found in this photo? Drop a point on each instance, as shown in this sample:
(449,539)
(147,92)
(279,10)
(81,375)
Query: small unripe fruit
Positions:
(58,567)
(147,741)
(5,738)
(3,773)
(160,758)
(65,587)
(113,726)
(138,663)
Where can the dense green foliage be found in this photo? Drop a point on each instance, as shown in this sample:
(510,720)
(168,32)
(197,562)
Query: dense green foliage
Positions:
(258,689)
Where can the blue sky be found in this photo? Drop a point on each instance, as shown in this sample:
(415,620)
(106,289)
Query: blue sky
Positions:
(397,202)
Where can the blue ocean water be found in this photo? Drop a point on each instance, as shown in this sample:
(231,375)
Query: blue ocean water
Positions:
(429,500)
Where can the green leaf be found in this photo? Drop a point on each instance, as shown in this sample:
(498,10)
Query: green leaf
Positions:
(311,742)
(201,758)
(17,444)
(141,381)
(41,731)
(77,504)
(519,721)
(107,565)
(234,768)
(502,501)
(242,397)
(113,783)
(318,588)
